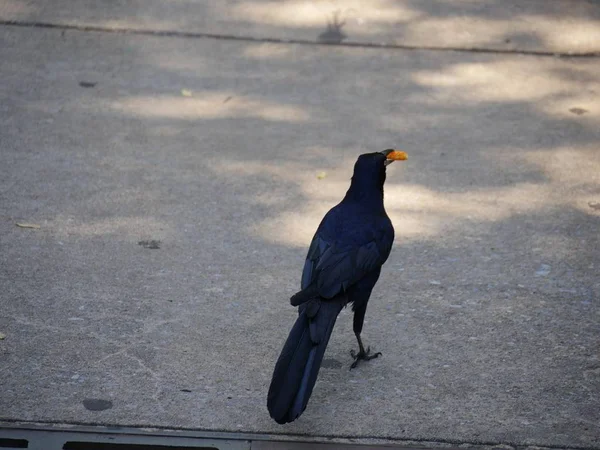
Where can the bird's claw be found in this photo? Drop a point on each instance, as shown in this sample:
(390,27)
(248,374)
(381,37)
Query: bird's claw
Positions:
(365,356)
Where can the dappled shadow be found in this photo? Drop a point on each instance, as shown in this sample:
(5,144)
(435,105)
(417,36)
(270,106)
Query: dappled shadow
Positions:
(558,26)
(230,153)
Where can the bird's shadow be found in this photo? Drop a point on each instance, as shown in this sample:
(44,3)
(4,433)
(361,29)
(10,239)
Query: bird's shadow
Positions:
(333,33)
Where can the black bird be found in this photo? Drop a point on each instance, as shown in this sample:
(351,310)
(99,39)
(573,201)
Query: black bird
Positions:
(343,264)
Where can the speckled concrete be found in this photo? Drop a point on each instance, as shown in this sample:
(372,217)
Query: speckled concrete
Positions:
(561,26)
(486,313)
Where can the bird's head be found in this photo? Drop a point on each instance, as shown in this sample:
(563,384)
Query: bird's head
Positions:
(369,170)
(371,166)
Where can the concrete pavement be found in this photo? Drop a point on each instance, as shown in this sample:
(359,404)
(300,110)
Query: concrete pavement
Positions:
(226,154)
(560,26)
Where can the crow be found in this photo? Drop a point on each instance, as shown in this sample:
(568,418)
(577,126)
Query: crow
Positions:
(342,266)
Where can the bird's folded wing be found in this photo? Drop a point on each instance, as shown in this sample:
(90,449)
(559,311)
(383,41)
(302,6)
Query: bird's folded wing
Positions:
(335,266)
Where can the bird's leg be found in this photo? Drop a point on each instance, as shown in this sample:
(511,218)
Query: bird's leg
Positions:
(362,354)
(359,318)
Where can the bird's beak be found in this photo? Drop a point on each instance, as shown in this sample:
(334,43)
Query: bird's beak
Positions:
(392,155)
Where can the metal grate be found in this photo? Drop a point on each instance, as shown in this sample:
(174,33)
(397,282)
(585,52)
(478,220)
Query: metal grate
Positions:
(76,445)
(13,443)
(74,437)
(80,438)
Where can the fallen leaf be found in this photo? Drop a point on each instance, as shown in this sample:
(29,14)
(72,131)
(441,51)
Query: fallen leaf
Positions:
(29,225)
(2,336)
(578,111)
(594,205)
(151,244)
(321,175)
(186,93)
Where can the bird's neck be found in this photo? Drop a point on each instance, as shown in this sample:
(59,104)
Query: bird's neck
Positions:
(369,195)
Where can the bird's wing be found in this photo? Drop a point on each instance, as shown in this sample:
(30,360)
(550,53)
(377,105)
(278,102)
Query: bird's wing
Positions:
(317,247)
(334,263)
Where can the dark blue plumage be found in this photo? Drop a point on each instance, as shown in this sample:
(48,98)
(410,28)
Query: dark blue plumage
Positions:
(342,266)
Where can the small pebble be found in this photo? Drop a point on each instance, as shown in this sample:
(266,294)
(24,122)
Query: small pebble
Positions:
(543,270)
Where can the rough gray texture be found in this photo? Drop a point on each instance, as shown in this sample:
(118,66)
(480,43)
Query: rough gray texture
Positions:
(535,25)
(486,313)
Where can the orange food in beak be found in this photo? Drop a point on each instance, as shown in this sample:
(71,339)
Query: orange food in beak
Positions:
(397,155)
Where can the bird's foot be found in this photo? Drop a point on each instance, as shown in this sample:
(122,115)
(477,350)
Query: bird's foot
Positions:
(362,355)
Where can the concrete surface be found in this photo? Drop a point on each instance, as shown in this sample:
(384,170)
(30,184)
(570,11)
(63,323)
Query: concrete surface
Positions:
(486,313)
(562,26)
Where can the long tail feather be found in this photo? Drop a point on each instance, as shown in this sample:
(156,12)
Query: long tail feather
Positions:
(298,365)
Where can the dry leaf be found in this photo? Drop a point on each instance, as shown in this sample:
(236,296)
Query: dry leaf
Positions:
(186,92)
(2,336)
(29,225)
(321,175)
(594,205)
(151,244)
(578,111)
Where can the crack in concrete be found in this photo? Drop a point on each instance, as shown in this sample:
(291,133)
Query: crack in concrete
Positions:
(155,378)
(229,37)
